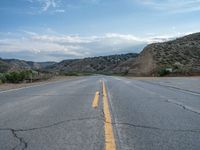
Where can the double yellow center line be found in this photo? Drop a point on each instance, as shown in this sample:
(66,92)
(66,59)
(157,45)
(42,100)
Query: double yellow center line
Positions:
(108,129)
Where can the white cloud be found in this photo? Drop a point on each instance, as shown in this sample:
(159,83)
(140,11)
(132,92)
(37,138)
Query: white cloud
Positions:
(91,1)
(59,6)
(75,46)
(47,4)
(173,6)
(59,11)
(59,39)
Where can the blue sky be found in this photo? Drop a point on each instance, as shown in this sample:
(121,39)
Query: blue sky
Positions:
(52,30)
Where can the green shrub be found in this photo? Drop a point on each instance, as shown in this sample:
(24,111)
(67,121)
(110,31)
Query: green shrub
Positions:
(15,77)
(21,76)
(163,72)
(2,78)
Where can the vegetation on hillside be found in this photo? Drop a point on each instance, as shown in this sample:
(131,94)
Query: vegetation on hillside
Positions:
(177,57)
(99,65)
(12,65)
(23,76)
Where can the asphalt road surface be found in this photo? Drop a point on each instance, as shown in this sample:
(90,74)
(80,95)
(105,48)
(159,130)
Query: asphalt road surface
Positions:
(101,112)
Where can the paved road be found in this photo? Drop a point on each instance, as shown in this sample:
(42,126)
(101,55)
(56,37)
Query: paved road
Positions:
(146,115)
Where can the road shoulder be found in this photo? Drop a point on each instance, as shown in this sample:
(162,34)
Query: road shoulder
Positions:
(9,86)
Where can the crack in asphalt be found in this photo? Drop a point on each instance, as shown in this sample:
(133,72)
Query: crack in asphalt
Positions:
(173,87)
(183,106)
(149,127)
(21,140)
(157,128)
(23,144)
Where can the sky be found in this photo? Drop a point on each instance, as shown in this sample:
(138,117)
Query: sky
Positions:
(53,30)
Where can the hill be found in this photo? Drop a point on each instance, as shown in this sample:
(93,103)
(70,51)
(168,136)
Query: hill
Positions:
(177,57)
(101,64)
(9,65)
(180,56)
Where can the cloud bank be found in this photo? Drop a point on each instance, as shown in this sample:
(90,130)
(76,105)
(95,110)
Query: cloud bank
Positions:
(48,47)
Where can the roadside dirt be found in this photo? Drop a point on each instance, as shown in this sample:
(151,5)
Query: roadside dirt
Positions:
(8,86)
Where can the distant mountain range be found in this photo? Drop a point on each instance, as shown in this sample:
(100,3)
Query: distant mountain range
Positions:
(101,64)
(9,65)
(179,56)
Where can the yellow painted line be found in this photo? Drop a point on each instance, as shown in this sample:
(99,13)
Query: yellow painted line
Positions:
(96,100)
(108,129)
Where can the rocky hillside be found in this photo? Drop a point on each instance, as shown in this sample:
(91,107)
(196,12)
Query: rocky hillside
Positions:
(9,65)
(180,56)
(101,64)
